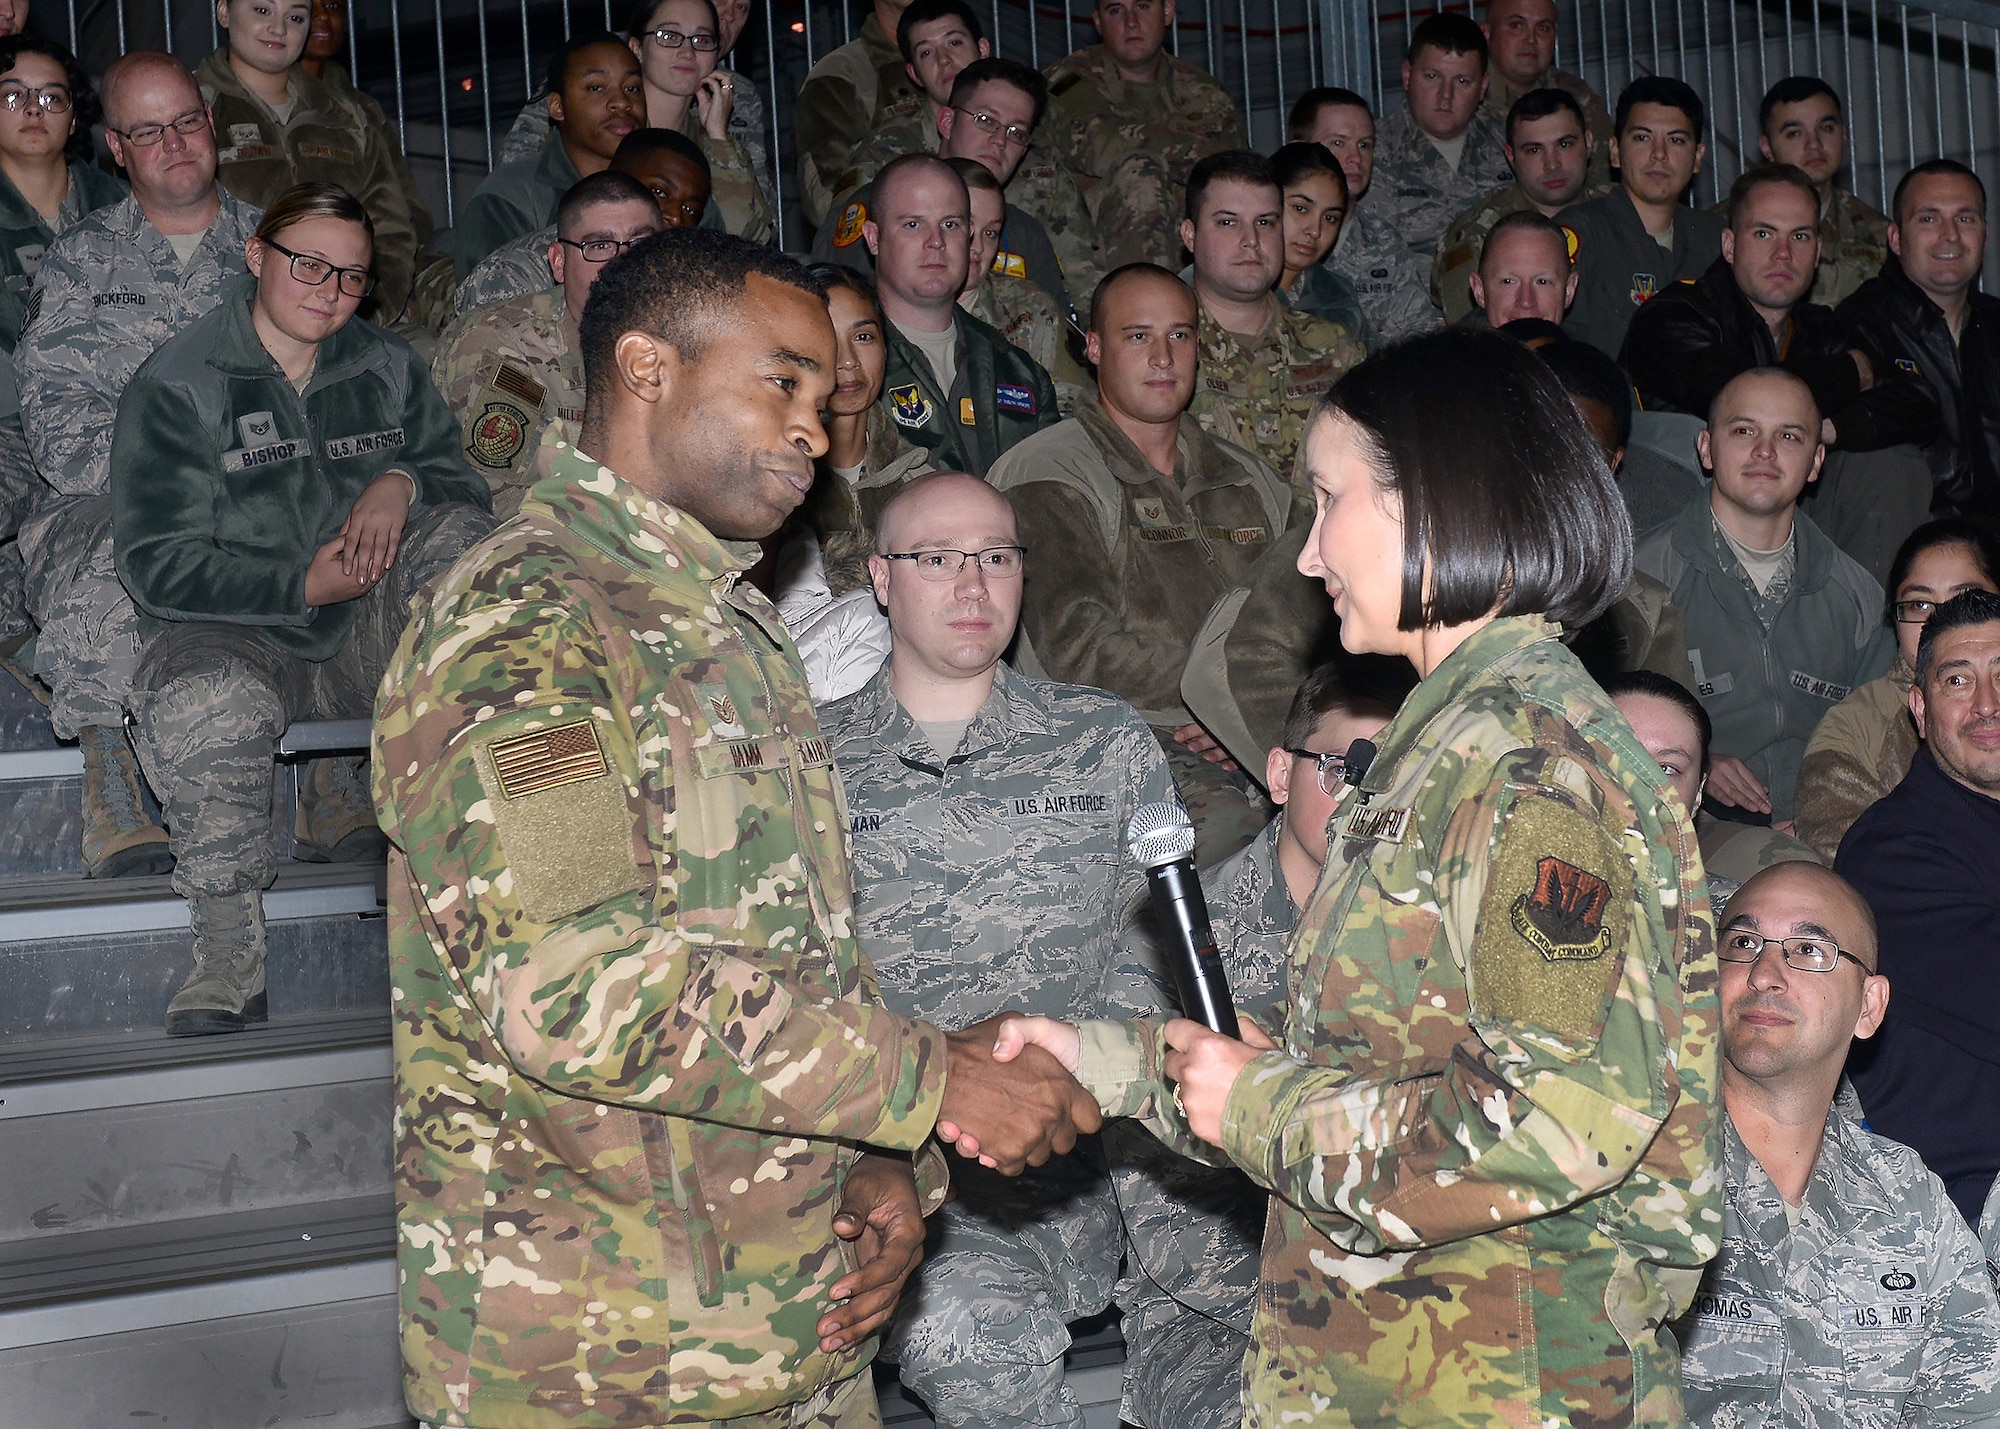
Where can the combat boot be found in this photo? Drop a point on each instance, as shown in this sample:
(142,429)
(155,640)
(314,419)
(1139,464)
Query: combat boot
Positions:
(119,841)
(225,992)
(336,821)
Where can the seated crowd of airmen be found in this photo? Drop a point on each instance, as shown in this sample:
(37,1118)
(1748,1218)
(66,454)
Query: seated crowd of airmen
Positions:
(1081,332)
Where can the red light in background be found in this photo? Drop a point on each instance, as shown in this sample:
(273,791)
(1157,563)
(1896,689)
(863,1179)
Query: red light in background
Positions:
(466,84)
(798,27)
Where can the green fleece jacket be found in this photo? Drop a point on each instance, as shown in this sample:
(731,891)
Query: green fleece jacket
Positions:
(25,236)
(225,480)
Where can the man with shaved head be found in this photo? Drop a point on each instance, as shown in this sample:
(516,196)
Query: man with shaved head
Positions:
(1849,1290)
(954,385)
(1781,624)
(988,813)
(110,290)
(1154,519)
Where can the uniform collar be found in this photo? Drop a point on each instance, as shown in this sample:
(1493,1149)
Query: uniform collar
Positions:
(661,542)
(1013,708)
(239,352)
(308,92)
(1199,464)
(1469,665)
(1260,884)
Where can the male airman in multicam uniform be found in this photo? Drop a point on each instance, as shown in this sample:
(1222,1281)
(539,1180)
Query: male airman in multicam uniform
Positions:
(1263,365)
(1129,121)
(513,371)
(607,789)
(989,815)
(848,94)
(1489,1129)
(1437,154)
(109,291)
(1803,125)
(1850,1291)
(1521,58)
(1194,1232)
(1154,536)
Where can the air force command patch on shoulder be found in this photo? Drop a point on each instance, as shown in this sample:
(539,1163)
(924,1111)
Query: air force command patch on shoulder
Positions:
(909,406)
(1548,950)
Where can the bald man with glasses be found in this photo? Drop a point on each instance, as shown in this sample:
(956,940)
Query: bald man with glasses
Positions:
(1849,1290)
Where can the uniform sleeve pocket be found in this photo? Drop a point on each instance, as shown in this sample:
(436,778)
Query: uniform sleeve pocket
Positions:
(741,1007)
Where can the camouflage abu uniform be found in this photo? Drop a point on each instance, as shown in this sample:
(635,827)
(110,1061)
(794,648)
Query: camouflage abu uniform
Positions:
(1261,394)
(1875,1310)
(1041,188)
(1193,1231)
(988,877)
(515,269)
(607,791)
(1417,192)
(1500,97)
(509,373)
(1388,277)
(844,99)
(1131,146)
(24,237)
(1136,560)
(327,138)
(110,290)
(1490,1132)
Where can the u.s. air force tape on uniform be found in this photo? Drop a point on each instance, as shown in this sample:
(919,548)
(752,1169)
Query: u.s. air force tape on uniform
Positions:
(1549,946)
(561,817)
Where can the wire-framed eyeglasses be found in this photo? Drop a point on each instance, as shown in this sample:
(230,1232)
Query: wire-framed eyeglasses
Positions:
(313,272)
(1808,955)
(995,562)
(54,99)
(674,39)
(147,135)
(990,124)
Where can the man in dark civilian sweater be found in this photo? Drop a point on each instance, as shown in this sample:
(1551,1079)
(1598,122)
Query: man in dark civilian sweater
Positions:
(1927,859)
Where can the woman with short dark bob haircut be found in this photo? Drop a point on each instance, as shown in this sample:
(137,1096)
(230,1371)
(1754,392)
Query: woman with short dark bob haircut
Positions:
(1489,1121)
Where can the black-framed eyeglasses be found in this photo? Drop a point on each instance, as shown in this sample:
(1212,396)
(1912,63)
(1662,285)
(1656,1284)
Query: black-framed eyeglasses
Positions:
(674,39)
(1914,612)
(53,99)
(1332,767)
(990,124)
(1808,955)
(995,562)
(147,135)
(601,250)
(313,272)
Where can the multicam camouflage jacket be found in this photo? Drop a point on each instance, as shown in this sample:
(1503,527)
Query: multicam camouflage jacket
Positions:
(510,372)
(637,1046)
(1853,241)
(1491,1128)
(848,93)
(1097,118)
(1875,1310)
(1261,393)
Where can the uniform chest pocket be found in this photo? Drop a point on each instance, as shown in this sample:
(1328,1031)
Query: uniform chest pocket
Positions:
(729,833)
(1368,943)
(1882,1344)
(1734,1340)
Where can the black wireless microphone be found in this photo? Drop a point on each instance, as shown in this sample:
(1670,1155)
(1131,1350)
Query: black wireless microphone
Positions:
(1161,837)
(1359,756)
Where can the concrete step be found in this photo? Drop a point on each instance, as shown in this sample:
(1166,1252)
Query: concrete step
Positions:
(105,1131)
(81,955)
(311,1345)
